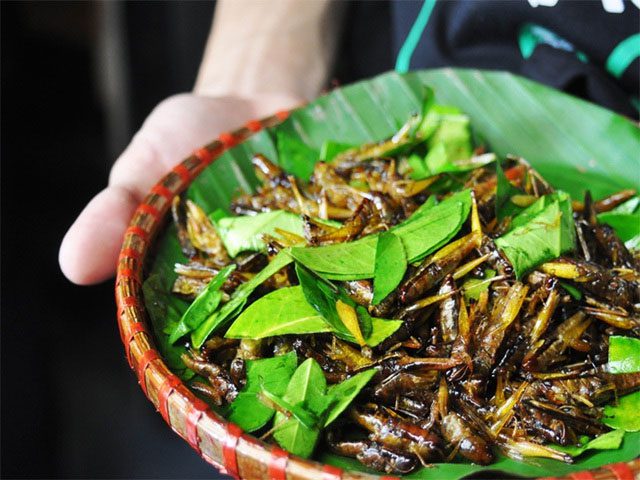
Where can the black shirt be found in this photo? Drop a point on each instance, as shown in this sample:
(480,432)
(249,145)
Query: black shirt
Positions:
(586,48)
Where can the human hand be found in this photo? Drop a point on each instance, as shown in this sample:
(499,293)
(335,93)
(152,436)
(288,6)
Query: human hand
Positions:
(177,126)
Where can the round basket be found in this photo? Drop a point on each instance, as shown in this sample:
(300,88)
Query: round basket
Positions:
(219,442)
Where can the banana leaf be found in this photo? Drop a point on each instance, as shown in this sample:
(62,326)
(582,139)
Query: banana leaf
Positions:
(574,144)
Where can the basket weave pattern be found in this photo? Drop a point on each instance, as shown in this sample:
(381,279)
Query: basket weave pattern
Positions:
(219,442)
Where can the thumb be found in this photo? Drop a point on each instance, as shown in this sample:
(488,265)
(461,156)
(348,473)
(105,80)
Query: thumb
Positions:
(90,248)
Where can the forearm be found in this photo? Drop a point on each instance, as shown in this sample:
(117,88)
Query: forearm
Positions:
(259,47)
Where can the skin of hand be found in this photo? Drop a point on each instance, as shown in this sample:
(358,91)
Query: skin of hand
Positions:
(257,50)
(175,128)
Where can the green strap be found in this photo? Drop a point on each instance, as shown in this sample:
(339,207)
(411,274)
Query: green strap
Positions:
(532,35)
(411,42)
(622,56)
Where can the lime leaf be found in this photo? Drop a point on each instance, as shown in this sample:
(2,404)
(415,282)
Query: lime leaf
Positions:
(244,233)
(281,312)
(238,300)
(307,383)
(434,227)
(541,232)
(626,225)
(381,329)
(633,243)
(624,415)
(624,354)
(287,312)
(273,374)
(473,287)
(322,295)
(300,413)
(330,149)
(606,441)
(625,220)
(296,157)
(165,311)
(203,305)
(422,209)
(391,263)
(504,191)
(420,235)
(418,168)
(345,392)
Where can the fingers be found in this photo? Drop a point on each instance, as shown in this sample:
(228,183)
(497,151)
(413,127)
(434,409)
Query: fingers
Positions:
(175,128)
(89,250)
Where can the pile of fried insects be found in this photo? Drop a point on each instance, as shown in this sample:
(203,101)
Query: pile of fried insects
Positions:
(404,317)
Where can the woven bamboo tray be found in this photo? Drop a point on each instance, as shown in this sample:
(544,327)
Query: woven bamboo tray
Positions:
(217,441)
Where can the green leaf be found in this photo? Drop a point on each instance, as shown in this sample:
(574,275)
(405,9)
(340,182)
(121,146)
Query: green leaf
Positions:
(633,243)
(567,229)
(203,305)
(567,226)
(345,392)
(296,157)
(630,206)
(244,233)
(281,312)
(422,209)
(450,147)
(341,261)
(431,231)
(473,287)
(239,297)
(164,311)
(287,312)
(273,374)
(626,225)
(322,296)
(486,97)
(306,384)
(504,191)
(624,354)
(532,244)
(305,417)
(419,169)
(541,232)
(390,265)
(372,110)
(217,215)
(208,306)
(573,291)
(436,160)
(433,116)
(449,140)
(381,329)
(318,406)
(435,227)
(330,149)
(420,235)
(624,415)
(364,320)
(606,441)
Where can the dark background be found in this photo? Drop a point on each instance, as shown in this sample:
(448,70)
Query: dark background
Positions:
(78,79)
(70,405)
